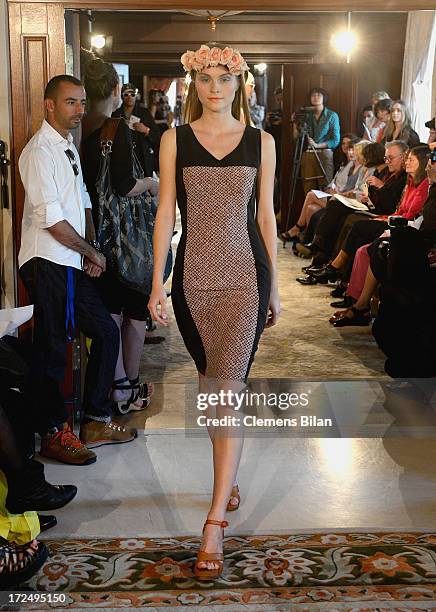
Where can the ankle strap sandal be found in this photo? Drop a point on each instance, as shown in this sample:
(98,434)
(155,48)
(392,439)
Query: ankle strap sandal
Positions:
(203,573)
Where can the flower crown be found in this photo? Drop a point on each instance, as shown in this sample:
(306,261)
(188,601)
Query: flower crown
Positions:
(205,57)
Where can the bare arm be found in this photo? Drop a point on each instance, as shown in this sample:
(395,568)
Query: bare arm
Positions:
(266,219)
(164,226)
(90,229)
(65,233)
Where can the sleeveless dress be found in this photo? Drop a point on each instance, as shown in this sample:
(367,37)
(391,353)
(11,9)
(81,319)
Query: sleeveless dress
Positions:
(221,280)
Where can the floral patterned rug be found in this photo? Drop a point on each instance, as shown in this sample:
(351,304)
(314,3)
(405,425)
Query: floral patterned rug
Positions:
(282,571)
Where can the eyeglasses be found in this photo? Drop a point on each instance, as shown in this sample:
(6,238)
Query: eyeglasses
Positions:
(389,158)
(72,161)
(128,94)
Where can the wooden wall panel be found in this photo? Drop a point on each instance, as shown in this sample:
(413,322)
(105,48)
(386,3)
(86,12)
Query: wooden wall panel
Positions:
(37,52)
(35,78)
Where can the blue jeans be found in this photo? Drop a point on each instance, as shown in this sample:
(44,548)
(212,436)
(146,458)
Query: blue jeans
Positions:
(46,284)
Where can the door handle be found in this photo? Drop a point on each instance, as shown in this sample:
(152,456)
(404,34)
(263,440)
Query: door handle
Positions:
(4,162)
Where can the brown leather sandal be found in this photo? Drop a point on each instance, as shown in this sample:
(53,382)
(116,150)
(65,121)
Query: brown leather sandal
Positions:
(235,493)
(202,573)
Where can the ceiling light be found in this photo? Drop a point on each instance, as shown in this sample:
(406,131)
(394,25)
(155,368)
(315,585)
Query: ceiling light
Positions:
(98,41)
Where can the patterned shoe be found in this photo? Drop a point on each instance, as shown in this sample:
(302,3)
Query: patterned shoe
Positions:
(64,446)
(98,433)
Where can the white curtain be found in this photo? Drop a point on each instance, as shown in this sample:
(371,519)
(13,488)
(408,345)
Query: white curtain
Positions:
(419,61)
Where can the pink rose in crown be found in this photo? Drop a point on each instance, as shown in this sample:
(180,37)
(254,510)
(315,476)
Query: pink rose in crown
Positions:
(187,60)
(202,56)
(226,54)
(235,62)
(215,56)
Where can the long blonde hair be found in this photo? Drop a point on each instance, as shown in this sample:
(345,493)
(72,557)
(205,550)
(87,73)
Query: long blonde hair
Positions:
(194,109)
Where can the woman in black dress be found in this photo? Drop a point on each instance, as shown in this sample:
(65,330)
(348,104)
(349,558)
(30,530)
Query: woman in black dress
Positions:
(224,288)
(127,306)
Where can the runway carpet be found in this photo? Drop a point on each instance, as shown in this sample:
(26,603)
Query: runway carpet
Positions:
(319,571)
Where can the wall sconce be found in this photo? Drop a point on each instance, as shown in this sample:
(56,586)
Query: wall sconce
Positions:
(345,42)
(260,68)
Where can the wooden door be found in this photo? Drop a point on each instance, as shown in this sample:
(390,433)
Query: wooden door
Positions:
(37,53)
(340,82)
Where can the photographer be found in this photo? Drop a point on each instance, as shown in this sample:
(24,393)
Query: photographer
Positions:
(145,133)
(323,135)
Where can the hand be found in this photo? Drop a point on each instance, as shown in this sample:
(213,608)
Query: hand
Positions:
(91,269)
(432,255)
(364,198)
(140,127)
(152,185)
(432,145)
(273,308)
(97,258)
(157,305)
(312,142)
(375,182)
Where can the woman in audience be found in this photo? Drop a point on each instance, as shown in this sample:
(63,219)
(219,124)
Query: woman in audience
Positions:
(416,200)
(127,306)
(399,125)
(340,154)
(344,180)
(382,112)
(366,230)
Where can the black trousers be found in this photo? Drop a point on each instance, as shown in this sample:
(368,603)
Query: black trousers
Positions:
(330,226)
(46,283)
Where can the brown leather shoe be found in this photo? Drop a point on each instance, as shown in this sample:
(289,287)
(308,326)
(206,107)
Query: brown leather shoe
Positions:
(65,446)
(97,433)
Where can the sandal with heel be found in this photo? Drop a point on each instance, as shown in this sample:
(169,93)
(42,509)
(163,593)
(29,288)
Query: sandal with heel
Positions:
(203,573)
(138,391)
(18,563)
(235,493)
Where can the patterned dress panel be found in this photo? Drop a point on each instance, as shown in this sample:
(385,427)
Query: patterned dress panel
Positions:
(218,252)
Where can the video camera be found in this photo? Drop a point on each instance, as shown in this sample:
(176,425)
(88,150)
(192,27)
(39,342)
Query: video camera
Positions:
(299,117)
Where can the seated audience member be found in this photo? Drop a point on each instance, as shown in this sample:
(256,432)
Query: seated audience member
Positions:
(340,154)
(369,163)
(323,136)
(382,111)
(27,487)
(366,230)
(399,125)
(370,268)
(384,191)
(367,120)
(404,327)
(343,181)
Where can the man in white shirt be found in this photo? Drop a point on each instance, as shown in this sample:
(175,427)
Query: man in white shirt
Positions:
(58,259)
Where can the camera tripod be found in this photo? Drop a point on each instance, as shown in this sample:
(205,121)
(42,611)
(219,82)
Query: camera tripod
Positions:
(296,167)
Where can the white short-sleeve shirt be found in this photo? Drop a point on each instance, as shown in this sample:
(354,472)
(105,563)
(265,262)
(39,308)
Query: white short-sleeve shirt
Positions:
(53,193)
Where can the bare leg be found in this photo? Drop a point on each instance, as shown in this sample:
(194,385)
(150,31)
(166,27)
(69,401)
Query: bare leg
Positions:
(340,260)
(364,301)
(132,334)
(227,443)
(120,372)
(368,291)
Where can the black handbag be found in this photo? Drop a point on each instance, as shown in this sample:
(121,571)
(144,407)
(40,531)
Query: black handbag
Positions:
(125,223)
